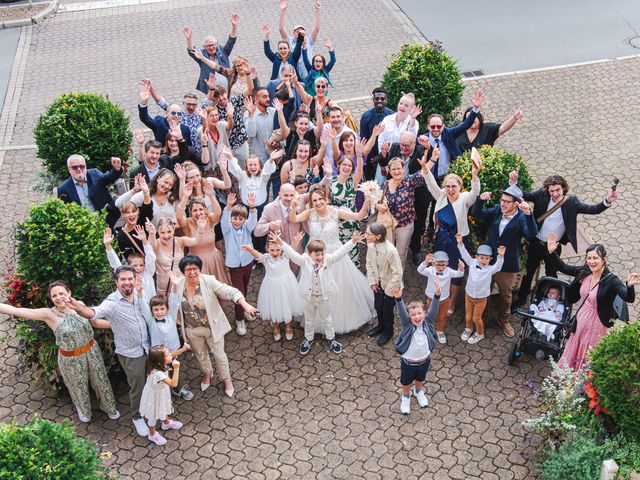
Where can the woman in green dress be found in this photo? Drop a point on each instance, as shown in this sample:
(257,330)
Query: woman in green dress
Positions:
(343,186)
(79,356)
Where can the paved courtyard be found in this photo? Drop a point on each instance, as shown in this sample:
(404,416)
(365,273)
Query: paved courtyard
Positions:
(324,416)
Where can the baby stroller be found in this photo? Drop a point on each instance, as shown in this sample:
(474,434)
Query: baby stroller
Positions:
(530,339)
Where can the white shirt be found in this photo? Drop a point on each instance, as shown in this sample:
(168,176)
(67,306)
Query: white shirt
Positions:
(418,347)
(479,279)
(553,223)
(259,129)
(83,194)
(444,278)
(504,222)
(392,129)
(248,184)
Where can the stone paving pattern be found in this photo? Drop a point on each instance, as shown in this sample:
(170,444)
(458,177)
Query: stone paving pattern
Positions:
(328,416)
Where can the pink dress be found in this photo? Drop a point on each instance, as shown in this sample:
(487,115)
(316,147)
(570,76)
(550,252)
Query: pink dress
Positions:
(589,330)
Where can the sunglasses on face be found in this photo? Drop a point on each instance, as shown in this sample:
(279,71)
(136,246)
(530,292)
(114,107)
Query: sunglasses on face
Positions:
(435,127)
(174,114)
(320,86)
(78,167)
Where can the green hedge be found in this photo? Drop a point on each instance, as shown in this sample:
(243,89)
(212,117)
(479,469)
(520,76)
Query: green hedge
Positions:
(615,373)
(82,123)
(44,450)
(431,74)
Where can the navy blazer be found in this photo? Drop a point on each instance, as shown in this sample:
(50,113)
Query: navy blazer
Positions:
(294,58)
(221,58)
(520,226)
(99,195)
(449,135)
(160,126)
(570,210)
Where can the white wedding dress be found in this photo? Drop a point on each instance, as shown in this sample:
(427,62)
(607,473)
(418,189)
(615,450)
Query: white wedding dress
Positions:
(352,306)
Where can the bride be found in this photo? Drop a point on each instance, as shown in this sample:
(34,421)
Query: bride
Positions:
(353,305)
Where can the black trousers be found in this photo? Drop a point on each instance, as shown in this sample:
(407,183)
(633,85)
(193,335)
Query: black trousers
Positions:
(537,253)
(384,305)
(419,225)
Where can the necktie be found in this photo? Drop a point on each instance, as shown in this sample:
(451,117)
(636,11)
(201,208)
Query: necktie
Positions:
(437,162)
(287,212)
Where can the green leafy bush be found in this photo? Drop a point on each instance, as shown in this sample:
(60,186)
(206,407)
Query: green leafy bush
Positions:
(494,177)
(82,123)
(64,240)
(615,369)
(582,456)
(430,73)
(48,451)
(57,241)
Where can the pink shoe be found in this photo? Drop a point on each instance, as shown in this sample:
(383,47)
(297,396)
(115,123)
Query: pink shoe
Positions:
(157,439)
(172,425)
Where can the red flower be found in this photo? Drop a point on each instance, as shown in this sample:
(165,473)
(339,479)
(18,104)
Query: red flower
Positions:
(592,393)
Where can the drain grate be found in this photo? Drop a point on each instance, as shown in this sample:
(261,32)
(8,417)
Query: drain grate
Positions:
(633,41)
(476,73)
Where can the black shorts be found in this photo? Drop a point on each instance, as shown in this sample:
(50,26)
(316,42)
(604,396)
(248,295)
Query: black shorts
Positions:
(409,373)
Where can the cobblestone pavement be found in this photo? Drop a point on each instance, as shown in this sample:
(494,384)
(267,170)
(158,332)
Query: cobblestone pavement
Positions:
(326,416)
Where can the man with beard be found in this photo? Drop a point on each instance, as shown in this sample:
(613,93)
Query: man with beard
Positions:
(370,119)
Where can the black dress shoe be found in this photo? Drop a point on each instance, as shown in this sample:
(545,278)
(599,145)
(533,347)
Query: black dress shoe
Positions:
(377,330)
(417,259)
(384,338)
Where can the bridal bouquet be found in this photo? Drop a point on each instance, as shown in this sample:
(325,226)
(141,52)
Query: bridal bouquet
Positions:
(372,192)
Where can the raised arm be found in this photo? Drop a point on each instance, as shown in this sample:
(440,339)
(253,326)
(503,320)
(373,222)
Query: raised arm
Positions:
(39,314)
(188,35)
(265,43)
(316,26)
(509,124)
(281,26)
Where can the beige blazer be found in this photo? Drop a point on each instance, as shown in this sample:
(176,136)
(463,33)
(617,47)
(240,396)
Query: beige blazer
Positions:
(273,212)
(461,206)
(384,266)
(211,289)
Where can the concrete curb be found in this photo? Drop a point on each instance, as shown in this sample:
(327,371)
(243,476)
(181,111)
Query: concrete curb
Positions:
(24,22)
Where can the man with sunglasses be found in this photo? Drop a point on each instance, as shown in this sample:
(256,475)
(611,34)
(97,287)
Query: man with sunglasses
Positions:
(445,139)
(89,188)
(159,124)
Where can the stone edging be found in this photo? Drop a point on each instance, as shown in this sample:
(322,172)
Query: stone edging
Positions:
(37,18)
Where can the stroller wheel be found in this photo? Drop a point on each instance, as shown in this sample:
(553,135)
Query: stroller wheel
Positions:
(513,353)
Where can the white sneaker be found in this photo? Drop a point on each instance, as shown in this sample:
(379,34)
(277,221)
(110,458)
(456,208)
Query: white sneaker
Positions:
(141,427)
(81,417)
(241,327)
(475,338)
(442,338)
(423,401)
(466,334)
(114,416)
(405,404)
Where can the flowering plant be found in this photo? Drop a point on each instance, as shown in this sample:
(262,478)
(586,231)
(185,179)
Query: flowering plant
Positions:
(562,400)
(594,405)
(372,192)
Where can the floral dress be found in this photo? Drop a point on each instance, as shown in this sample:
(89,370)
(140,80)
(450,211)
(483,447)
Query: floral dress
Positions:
(78,372)
(343,195)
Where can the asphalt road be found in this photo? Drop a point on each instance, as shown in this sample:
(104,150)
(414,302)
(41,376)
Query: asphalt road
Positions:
(9,41)
(498,36)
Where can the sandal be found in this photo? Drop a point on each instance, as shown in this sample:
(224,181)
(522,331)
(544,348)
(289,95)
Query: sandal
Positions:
(288,331)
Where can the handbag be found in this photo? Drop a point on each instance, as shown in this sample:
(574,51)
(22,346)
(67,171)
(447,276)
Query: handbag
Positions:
(386,218)
(573,321)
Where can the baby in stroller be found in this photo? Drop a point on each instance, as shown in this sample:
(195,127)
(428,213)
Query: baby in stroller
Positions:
(550,307)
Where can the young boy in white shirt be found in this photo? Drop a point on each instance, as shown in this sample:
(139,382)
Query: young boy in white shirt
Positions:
(317,286)
(478,287)
(439,271)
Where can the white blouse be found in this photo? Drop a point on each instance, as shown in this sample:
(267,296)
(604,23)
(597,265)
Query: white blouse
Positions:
(256,184)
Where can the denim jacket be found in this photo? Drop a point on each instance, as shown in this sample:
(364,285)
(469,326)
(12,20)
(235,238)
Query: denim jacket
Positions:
(408,328)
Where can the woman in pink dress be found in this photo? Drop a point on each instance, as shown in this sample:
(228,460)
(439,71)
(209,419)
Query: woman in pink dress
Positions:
(594,289)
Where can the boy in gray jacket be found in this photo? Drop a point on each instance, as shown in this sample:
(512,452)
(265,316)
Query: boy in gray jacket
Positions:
(415,343)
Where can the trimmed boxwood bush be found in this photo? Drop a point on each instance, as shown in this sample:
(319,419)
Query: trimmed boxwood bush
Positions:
(431,74)
(82,123)
(615,373)
(57,241)
(494,178)
(45,450)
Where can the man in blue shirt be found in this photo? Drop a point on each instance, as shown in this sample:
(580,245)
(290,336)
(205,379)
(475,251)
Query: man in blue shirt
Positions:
(370,119)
